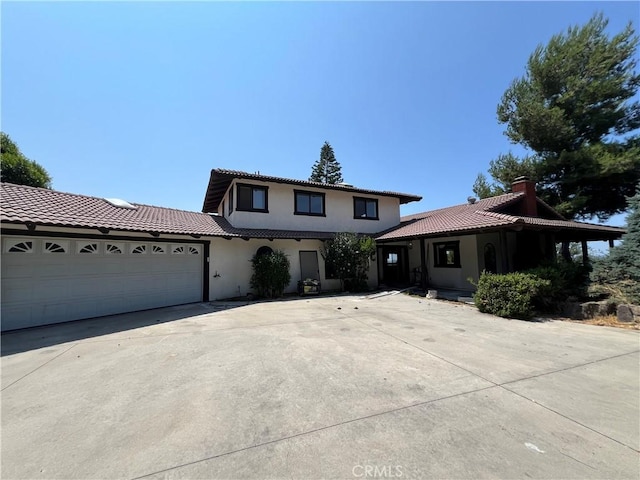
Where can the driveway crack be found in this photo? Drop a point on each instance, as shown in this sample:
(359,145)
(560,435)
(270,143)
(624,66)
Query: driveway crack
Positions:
(502,385)
(38,368)
(312,431)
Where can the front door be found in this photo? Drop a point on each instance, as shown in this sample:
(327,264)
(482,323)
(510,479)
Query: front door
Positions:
(394,266)
(309,265)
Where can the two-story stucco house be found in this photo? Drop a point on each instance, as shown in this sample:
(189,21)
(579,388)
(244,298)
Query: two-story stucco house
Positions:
(68,257)
(294,216)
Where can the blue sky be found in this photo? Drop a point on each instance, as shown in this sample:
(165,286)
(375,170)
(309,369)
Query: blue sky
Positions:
(141,100)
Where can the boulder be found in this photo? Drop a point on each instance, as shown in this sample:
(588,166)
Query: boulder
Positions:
(586,310)
(626,314)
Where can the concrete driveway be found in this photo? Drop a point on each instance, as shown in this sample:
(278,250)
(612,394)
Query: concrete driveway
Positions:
(334,387)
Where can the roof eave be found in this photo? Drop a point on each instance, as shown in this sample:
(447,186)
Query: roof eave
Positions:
(219,182)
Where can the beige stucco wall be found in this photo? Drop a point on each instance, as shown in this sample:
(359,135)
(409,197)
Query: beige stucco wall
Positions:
(483,240)
(454,278)
(231,260)
(338,209)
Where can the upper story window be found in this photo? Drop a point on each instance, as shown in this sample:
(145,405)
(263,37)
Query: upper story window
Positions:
(365,208)
(231,200)
(252,198)
(309,203)
(446,254)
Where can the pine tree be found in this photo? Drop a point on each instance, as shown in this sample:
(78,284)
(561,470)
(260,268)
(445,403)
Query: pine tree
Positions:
(576,110)
(326,169)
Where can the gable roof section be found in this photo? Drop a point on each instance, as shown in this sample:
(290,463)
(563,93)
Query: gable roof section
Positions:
(20,204)
(489,214)
(220,180)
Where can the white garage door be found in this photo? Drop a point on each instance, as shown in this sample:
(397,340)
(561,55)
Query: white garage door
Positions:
(52,280)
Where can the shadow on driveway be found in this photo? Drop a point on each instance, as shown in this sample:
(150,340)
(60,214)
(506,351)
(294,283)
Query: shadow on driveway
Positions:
(26,339)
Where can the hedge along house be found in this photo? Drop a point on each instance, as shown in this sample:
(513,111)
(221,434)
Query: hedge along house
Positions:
(68,257)
(444,248)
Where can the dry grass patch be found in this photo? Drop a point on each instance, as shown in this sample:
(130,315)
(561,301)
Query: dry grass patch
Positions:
(609,321)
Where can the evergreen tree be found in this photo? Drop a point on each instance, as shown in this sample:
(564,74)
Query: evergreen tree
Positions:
(620,270)
(504,170)
(18,169)
(326,169)
(574,110)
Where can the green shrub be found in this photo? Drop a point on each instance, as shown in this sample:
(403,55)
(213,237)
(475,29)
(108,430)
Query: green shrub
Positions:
(566,279)
(510,295)
(348,256)
(270,274)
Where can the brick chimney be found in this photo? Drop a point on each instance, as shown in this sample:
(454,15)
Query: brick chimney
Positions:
(528,187)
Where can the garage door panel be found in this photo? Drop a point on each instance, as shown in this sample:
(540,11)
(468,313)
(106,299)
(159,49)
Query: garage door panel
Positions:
(51,291)
(23,272)
(84,267)
(16,290)
(56,311)
(14,314)
(40,287)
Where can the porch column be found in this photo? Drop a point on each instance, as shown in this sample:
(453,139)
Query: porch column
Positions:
(611,243)
(504,253)
(585,253)
(423,265)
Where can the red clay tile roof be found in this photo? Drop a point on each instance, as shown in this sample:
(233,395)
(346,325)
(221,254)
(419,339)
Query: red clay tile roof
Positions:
(40,206)
(486,215)
(220,180)
(20,204)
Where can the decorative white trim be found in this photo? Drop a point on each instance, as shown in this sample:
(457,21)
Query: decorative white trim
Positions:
(114,248)
(178,249)
(138,248)
(55,246)
(158,249)
(92,248)
(18,245)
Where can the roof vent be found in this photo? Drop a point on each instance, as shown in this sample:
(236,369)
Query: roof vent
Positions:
(471,200)
(118,202)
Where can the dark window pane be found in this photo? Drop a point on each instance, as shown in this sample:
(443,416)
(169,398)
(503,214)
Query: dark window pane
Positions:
(244,198)
(259,199)
(365,208)
(372,211)
(302,203)
(316,204)
(447,254)
(451,259)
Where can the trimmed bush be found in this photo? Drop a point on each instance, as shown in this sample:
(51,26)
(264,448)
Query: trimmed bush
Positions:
(270,274)
(510,295)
